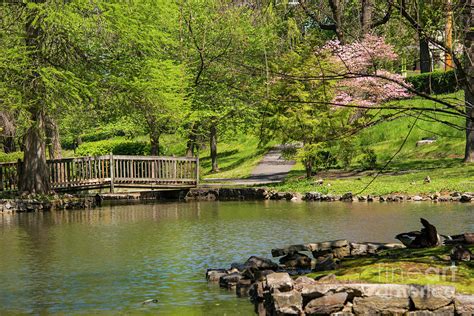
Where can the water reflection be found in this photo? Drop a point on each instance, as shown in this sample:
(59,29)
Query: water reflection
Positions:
(113,258)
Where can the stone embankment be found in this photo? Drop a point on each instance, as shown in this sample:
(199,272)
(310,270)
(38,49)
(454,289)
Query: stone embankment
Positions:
(227,194)
(274,291)
(32,204)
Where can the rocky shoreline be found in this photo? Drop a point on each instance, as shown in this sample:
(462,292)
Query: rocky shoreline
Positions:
(233,194)
(38,204)
(283,289)
(67,201)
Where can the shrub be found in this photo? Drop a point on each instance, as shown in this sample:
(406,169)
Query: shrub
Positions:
(117,146)
(368,159)
(435,82)
(11,157)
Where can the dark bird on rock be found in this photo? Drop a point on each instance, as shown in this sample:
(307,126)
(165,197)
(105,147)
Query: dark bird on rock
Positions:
(459,253)
(427,237)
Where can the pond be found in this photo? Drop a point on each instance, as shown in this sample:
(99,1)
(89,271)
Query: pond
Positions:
(113,258)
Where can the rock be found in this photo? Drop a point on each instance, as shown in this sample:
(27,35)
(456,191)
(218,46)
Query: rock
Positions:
(370,198)
(257,291)
(427,179)
(319,181)
(237,266)
(361,198)
(327,304)
(381,305)
(465,198)
(417,198)
(312,196)
(431,297)
(425,142)
(358,249)
(325,264)
(327,245)
(213,275)
(346,197)
(302,280)
(279,281)
(456,194)
(445,311)
(287,303)
(464,304)
(259,263)
(243,287)
(289,250)
(230,280)
(327,278)
(296,261)
(260,275)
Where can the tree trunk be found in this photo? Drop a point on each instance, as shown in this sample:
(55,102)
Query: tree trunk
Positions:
(52,135)
(469,80)
(155,143)
(366,16)
(308,166)
(336,9)
(34,173)
(191,143)
(213,147)
(448,31)
(425,57)
(7,124)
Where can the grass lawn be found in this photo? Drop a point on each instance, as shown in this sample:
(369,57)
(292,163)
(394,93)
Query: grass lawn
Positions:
(236,158)
(408,266)
(441,160)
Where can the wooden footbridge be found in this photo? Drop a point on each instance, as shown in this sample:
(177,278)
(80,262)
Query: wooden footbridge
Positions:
(112,171)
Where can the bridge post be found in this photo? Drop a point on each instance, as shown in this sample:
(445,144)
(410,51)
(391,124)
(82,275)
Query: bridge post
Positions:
(112,172)
(1,179)
(197,170)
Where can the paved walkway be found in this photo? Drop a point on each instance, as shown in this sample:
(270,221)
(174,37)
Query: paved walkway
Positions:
(273,168)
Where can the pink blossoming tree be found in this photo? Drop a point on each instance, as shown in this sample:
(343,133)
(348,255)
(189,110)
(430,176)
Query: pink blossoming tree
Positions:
(365,81)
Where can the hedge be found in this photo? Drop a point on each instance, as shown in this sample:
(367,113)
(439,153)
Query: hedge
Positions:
(117,146)
(437,82)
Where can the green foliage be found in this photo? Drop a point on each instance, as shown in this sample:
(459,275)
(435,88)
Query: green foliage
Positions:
(11,157)
(117,146)
(368,160)
(437,82)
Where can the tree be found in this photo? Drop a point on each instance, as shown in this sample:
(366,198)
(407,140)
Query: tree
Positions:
(218,39)
(38,58)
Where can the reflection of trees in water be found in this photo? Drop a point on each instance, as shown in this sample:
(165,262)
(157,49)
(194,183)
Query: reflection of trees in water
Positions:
(38,245)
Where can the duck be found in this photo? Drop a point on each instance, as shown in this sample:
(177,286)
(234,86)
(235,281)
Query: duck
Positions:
(427,237)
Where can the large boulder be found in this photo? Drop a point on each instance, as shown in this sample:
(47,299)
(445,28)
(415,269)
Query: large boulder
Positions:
(279,282)
(213,275)
(381,305)
(327,304)
(296,261)
(230,280)
(287,303)
(431,297)
(259,263)
(464,304)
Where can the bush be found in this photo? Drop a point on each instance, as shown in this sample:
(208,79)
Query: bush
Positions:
(435,82)
(117,146)
(11,157)
(368,160)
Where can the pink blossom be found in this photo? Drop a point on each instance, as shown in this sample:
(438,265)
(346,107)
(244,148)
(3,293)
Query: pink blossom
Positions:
(366,82)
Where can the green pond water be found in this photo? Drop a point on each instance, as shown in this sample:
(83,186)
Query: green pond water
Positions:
(111,259)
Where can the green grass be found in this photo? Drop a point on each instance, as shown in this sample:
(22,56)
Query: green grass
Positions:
(236,158)
(408,266)
(441,161)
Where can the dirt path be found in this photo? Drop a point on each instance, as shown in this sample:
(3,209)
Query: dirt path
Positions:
(273,168)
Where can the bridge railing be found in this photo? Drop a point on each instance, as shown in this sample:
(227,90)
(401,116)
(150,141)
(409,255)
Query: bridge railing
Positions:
(111,171)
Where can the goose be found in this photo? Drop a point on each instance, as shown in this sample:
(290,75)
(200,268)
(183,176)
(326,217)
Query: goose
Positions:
(427,237)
